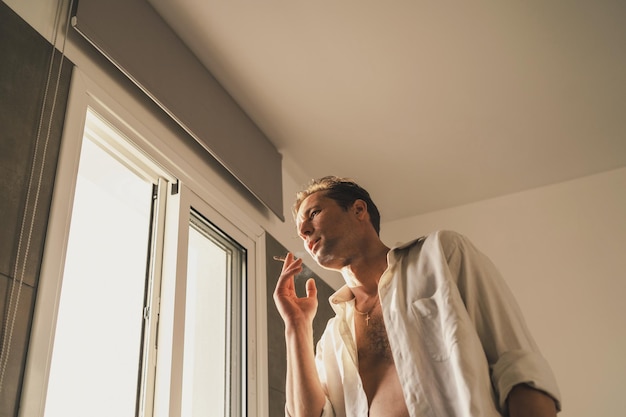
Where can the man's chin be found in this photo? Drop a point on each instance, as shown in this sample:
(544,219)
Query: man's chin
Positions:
(320,259)
(326,261)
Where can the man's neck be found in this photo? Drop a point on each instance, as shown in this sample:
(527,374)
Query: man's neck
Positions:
(363,274)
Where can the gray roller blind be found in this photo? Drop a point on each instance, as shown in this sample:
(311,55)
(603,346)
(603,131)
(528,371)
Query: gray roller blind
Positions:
(137,40)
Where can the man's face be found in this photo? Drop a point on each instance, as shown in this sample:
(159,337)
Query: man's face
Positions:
(327,230)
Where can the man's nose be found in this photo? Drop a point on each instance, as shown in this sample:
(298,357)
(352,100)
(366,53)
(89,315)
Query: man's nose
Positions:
(304,229)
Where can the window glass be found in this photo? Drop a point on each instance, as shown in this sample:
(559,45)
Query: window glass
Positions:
(95,368)
(211,383)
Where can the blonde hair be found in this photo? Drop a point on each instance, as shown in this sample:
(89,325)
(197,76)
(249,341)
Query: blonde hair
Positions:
(344,191)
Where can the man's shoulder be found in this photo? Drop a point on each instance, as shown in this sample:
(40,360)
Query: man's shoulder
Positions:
(444,237)
(441,241)
(451,241)
(450,237)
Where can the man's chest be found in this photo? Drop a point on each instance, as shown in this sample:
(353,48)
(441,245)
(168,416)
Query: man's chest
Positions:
(377,368)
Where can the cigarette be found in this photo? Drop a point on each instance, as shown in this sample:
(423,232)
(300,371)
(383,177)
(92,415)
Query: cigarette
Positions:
(279,258)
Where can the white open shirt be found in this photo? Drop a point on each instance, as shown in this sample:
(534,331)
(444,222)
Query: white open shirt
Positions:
(457,336)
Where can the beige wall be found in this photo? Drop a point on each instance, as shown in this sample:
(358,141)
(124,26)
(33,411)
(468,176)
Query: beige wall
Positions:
(562,249)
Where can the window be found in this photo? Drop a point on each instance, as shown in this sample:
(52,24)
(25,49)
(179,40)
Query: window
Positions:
(144,305)
(106,306)
(215,272)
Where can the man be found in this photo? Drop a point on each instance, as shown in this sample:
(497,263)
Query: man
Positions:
(425,329)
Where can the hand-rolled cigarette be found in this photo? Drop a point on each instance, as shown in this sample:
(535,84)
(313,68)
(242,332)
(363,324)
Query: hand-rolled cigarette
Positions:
(282,258)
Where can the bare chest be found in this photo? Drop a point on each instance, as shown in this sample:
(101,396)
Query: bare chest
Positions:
(377,368)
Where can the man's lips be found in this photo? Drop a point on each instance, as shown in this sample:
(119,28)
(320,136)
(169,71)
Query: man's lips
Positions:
(312,244)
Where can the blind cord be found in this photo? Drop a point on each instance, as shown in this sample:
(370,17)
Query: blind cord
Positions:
(28,223)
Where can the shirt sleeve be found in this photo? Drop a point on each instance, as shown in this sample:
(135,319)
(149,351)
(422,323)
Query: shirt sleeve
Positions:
(320,363)
(511,351)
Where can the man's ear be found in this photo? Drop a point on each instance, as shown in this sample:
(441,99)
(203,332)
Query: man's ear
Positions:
(360,208)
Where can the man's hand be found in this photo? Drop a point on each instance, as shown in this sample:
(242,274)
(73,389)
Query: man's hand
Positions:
(293,309)
(304,393)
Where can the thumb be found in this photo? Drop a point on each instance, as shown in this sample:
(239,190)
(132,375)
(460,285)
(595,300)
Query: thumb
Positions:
(311,288)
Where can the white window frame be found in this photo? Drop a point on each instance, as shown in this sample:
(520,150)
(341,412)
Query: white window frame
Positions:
(154,136)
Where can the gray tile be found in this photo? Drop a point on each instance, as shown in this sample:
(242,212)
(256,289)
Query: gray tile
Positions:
(276,403)
(14,372)
(23,72)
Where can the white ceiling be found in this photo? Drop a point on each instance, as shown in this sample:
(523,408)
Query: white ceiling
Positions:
(428,105)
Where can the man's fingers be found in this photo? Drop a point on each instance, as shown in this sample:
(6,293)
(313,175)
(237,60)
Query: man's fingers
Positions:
(291,268)
(311,288)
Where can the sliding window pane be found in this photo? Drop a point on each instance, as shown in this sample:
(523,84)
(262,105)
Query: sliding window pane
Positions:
(97,347)
(212,356)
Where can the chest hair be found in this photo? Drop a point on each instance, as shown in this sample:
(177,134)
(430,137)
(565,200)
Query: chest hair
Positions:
(372,340)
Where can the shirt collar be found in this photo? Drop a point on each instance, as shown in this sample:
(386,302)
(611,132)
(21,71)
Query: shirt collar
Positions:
(343,295)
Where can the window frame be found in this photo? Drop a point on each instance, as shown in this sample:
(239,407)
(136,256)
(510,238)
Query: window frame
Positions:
(191,187)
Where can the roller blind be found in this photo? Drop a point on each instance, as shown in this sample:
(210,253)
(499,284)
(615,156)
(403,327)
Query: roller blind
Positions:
(132,35)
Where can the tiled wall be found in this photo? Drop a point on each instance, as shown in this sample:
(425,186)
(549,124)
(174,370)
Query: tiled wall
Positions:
(24,64)
(277,364)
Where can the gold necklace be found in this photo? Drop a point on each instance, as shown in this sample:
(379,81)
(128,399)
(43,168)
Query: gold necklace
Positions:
(367,313)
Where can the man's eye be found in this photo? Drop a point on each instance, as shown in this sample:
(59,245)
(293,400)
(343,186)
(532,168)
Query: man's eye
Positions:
(313,213)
